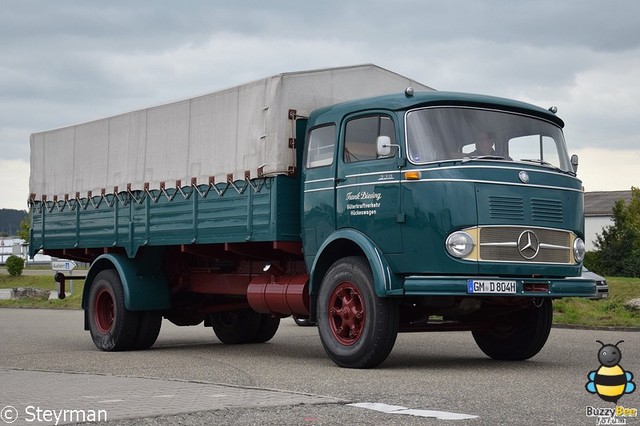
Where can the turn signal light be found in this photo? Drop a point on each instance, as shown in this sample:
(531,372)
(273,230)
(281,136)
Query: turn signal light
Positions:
(412,175)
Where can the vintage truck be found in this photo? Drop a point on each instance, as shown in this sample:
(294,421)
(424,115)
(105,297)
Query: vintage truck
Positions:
(355,197)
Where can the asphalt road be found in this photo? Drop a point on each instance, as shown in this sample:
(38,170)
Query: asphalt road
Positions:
(47,360)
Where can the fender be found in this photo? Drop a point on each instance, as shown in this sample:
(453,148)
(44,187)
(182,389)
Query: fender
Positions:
(386,283)
(144,288)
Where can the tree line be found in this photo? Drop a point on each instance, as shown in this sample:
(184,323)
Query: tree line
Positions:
(10,220)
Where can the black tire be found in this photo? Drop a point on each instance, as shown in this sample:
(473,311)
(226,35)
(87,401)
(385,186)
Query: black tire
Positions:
(112,326)
(518,336)
(148,329)
(235,327)
(357,328)
(266,329)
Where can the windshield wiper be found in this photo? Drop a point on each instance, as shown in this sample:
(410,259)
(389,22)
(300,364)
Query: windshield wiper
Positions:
(544,163)
(482,157)
(537,160)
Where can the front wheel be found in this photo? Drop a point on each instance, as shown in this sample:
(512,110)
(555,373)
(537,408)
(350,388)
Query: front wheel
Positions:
(518,336)
(112,326)
(357,328)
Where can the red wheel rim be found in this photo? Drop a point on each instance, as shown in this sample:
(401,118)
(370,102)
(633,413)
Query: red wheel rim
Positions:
(103,311)
(346,313)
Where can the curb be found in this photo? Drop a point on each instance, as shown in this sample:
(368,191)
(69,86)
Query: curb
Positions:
(601,328)
(7,294)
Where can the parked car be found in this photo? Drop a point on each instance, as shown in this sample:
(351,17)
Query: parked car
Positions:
(602,288)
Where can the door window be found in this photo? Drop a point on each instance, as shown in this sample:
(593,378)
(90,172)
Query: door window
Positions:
(361,135)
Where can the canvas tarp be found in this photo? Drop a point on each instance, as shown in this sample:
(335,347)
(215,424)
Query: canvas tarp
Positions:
(235,131)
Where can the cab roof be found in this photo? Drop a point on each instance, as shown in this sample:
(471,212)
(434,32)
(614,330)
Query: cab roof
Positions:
(401,101)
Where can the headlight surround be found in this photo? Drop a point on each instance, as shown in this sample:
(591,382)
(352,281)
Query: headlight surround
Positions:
(460,244)
(578,250)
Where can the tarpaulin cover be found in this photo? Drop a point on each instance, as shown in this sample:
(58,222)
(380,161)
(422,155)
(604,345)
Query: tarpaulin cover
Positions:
(232,131)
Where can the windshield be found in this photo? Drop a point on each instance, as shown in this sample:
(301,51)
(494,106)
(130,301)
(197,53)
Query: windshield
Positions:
(449,133)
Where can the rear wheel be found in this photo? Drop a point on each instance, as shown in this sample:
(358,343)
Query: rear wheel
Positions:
(112,326)
(235,327)
(148,329)
(266,329)
(357,328)
(517,336)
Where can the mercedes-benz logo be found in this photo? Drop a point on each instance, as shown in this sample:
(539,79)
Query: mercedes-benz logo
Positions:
(528,244)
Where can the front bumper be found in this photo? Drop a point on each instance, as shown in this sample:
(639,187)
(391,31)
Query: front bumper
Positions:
(525,287)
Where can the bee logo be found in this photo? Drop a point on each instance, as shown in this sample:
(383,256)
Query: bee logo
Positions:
(610,381)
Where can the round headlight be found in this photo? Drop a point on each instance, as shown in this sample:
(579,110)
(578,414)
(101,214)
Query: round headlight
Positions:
(459,244)
(578,250)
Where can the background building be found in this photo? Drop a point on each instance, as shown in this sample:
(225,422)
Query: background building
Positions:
(598,212)
(16,246)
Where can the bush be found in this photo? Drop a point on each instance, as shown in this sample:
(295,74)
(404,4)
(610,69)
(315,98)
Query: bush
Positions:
(15,265)
(592,261)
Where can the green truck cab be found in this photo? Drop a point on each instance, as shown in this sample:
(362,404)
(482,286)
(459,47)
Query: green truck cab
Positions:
(479,240)
(417,210)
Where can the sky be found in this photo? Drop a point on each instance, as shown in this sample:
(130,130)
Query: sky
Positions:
(66,62)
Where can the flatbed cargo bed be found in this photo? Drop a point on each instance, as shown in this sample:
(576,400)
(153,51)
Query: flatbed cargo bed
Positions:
(265,209)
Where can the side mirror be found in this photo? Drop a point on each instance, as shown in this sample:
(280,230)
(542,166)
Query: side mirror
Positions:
(574,163)
(383,146)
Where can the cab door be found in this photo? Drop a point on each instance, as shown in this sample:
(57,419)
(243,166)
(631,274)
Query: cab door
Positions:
(318,189)
(367,185)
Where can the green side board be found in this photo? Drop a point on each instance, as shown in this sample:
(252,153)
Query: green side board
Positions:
(264,209)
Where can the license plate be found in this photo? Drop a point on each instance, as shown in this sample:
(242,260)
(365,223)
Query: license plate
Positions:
(491,287)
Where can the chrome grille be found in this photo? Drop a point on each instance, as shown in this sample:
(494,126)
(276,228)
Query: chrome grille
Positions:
(509,244)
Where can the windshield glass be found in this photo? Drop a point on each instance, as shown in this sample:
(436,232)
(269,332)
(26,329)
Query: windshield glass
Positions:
(449,133)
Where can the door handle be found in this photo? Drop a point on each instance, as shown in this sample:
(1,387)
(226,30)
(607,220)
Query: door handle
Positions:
(340,179)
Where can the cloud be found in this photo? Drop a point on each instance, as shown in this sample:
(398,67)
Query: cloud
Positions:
(607,170)
(66,62)
(604,103)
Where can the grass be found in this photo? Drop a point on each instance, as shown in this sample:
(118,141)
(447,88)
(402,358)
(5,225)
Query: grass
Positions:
(575,311)
(609,312)
(45,282)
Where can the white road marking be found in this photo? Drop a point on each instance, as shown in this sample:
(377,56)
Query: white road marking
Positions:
(396,409)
